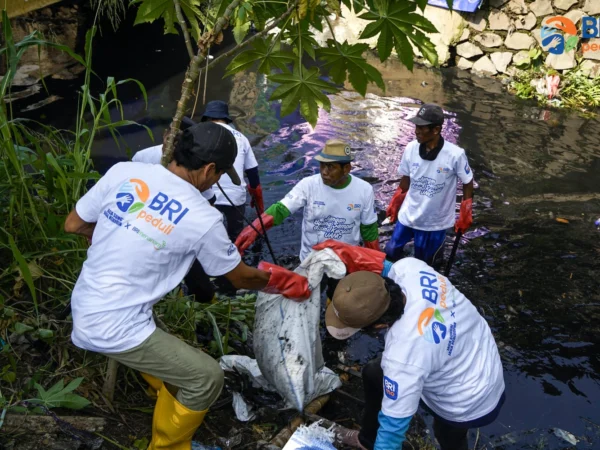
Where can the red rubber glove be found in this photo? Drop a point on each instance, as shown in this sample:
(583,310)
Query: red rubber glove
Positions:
(355,258)
(248,235)
(257,198)
(395,204)
(373,245)
(285,282)
(466,216)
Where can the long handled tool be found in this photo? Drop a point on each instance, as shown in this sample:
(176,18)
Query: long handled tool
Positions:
(453,253)
(262,225)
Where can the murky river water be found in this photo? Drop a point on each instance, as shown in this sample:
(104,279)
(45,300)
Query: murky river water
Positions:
(535,279)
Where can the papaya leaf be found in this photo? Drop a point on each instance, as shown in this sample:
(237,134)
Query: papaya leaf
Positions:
(398,27)
(305,88)
(356,5)
(240,30)
(267,55)
(301,37)
(346,61)
(151,10)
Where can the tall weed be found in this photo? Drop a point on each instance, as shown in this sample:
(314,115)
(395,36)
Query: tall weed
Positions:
(43,172)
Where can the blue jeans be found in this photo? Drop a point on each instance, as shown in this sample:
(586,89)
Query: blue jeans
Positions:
(427,243)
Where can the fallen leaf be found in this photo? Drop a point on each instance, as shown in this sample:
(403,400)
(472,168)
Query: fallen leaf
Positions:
(561,220)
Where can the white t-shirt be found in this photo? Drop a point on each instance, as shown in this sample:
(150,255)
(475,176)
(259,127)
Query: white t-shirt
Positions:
(431,199)
(150,226)
(245,160)
(153,155)
(331,213)
(441,350)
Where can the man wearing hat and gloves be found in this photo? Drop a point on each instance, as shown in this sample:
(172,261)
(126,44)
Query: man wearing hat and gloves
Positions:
(245,162)
(439,351)
(424,203)
(336,205)
(147,224)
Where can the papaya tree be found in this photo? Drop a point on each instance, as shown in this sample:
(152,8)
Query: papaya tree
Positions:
(283,46)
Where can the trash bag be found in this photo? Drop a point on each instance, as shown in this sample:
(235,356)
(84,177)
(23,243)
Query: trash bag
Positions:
(287,342)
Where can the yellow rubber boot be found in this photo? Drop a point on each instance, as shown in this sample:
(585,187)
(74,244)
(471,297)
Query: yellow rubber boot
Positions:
(173,425)
(155,385)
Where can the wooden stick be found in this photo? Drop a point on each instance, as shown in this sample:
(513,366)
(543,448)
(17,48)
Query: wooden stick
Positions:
(349,370)
(45,424)
(110,381)
(350,396)
(183,25)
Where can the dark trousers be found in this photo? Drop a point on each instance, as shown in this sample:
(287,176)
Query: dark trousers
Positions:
(234,219)
(198,283)
(449,435)
(234,223)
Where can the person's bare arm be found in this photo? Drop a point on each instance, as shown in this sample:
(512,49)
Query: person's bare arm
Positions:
(246,277)
(76,225)
(468,190)
(405,183)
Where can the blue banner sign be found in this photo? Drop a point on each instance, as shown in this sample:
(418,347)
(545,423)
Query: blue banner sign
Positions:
(458,5)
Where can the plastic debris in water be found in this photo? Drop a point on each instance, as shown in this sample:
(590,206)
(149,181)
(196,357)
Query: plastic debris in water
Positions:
(477,232)
(313,437)
(561,220)
(198,446)
(597,223)
(565,436)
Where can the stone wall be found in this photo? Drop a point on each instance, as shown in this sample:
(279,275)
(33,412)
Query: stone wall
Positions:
(60,23)
(497,38)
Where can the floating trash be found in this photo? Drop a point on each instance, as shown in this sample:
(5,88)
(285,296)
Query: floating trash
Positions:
(313,437)
(565,435)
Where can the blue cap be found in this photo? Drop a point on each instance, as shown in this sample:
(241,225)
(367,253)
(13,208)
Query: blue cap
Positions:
(216,109)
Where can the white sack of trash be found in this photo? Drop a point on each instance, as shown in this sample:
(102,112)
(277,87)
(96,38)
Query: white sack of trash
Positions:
(287,341)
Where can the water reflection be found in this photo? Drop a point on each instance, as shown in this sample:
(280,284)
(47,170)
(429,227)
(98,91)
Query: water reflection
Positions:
(533,278)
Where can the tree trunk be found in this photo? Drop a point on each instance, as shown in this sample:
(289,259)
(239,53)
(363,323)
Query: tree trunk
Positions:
(191,76)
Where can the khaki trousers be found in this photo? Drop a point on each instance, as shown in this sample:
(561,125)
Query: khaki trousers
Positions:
(198,377)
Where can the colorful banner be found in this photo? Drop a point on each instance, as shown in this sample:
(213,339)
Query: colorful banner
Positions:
(458,5)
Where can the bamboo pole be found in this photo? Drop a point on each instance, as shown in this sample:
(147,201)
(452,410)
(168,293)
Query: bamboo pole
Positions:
(191,76)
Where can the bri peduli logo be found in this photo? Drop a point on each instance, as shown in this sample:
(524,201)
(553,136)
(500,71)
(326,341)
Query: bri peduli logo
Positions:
(133,197)
(559,34)
(353,206)
(432,330)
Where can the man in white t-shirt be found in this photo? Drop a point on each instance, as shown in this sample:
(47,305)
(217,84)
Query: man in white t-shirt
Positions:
(245,163)
(439,351)
(336,205)
(147,225)
(196,280)
(425,201)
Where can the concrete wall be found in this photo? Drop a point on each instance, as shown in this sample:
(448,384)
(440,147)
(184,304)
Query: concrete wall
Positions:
(497,38)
